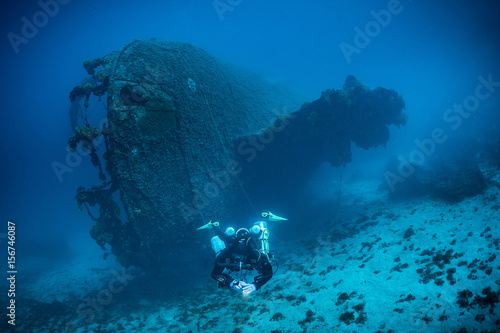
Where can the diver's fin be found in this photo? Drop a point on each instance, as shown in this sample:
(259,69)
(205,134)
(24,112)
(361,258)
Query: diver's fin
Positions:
(206,226)
(271,217)
(209,225)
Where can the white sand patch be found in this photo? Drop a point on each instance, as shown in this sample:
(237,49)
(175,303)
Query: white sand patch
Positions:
(378,266)
(84,274)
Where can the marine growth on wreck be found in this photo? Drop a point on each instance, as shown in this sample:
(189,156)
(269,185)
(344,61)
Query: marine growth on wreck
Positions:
(190,137)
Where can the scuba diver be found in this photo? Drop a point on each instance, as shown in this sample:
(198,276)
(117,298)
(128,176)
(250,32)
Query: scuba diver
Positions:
(242,250)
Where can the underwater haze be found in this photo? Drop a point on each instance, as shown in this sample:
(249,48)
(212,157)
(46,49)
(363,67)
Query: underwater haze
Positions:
(371,127)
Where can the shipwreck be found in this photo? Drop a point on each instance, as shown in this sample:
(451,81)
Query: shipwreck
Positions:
(191,138)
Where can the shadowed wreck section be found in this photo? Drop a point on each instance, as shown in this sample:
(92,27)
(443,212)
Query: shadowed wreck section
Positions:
(278,160)
(180,148)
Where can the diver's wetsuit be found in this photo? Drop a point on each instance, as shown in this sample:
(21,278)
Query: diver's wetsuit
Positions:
(241,249)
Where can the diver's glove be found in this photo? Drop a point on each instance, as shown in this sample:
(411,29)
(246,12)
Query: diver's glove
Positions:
(248,287)
(236,285)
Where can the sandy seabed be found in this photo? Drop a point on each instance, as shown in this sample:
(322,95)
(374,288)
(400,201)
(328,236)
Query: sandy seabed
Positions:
(376,266)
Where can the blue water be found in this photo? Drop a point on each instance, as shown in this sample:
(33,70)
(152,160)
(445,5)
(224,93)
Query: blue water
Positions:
(432,53)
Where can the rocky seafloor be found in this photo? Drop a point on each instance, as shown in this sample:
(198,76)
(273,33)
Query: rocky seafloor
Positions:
(374,265)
